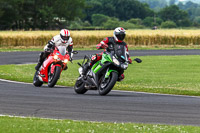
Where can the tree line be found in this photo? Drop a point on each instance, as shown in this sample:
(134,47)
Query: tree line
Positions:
(95,14)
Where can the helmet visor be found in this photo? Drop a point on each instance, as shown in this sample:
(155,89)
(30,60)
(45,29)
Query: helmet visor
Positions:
(120,36)
(66,38)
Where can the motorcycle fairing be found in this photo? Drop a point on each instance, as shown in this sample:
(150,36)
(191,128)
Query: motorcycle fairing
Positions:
(94,77)
(50,60)
(45,66)
(105,58)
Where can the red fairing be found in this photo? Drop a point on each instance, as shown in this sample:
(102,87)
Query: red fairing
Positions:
(44,70)
(53,63)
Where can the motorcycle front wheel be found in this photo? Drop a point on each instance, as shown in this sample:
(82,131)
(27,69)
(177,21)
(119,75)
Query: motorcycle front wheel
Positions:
(53,77)
(36,81)
(107,84)
(79,86)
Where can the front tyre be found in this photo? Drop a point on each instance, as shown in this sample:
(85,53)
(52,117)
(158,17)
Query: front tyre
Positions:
(53,77)
(107,84)
(36,81)
(79,86)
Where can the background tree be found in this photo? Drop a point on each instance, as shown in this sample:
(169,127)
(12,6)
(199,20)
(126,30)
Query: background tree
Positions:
(168,24)
(136,21)
(173,13)
(155,4)
(121,9)
(99,19)
(45,14)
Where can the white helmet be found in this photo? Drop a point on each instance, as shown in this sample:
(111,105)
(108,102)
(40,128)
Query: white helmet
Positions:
(119,34)
(64,35)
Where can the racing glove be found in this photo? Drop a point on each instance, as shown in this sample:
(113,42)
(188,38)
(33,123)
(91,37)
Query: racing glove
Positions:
(104,46)
(50,44)
(129,61)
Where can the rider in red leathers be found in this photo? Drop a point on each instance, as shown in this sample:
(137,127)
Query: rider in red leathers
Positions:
(108,44)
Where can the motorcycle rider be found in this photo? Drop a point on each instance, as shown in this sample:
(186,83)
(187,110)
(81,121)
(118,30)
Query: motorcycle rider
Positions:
(108,44)
(63,39)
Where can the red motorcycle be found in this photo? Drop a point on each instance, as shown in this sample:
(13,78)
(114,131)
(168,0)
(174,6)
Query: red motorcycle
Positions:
(52,67)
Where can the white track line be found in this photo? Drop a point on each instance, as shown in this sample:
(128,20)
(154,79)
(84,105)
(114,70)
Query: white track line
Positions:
(17,82)
(29,117)
(160,94)
(10,81)
(46,118)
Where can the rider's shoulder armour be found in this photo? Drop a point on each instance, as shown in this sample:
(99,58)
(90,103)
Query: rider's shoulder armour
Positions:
(112,43)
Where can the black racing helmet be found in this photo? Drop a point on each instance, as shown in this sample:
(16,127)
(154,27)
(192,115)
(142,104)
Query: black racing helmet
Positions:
(119,34)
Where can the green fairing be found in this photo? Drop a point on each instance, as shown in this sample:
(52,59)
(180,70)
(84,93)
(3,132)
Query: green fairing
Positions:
(97,66)
(104,59)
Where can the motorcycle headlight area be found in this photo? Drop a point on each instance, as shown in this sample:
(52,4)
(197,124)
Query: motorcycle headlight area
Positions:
(65,61)
(55,57)
(115,61)
(124,66)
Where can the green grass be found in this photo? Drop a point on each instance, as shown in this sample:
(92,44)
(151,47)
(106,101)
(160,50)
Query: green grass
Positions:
(156,74)
(17,49)
(38,125)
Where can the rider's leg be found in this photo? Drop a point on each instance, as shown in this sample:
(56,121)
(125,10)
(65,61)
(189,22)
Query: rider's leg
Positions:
(41,59)
(94,59)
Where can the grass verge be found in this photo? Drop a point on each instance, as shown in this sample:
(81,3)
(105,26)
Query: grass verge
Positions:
(37,125)
(156,47)
(39,48)
(156,74)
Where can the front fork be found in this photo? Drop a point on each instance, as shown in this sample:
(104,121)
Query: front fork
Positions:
(109,71)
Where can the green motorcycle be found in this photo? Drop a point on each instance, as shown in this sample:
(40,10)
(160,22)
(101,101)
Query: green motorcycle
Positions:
(104,74)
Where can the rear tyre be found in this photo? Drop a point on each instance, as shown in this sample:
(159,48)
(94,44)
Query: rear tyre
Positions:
(36,81)
(79,86)
(107,84)
(53,78)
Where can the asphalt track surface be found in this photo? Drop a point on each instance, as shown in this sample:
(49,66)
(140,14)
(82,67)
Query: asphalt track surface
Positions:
(23,99)
(32,57)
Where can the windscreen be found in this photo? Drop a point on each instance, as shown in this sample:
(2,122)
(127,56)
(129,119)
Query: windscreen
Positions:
(121,53)
(62,50)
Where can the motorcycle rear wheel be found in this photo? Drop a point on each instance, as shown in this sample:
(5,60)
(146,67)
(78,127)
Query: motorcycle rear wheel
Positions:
(79,87)
(53,78)
(36,81)
(105,88)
